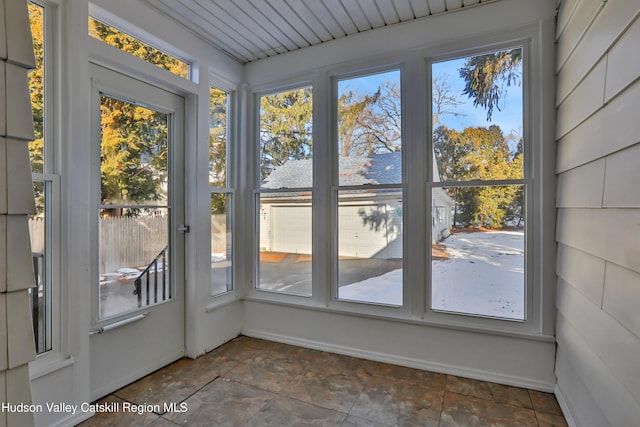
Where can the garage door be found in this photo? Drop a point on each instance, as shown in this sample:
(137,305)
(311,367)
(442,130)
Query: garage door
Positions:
(292,229)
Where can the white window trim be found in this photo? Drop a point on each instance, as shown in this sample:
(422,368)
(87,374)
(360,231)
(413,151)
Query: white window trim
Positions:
(233,158)
(254,202)
(416,72)
(57,356)
(120,24)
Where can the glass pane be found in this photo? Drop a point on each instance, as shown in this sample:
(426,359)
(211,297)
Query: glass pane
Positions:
(284,221)
(135,47)
(370,246)
(36,88)
(217,137)
(370,129)
(221,243)
(41,293)
(134,259)
(477,115)
(286,139)
(478,266)
(133,150)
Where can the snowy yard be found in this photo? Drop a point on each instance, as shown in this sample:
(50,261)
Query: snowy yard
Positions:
(484,276)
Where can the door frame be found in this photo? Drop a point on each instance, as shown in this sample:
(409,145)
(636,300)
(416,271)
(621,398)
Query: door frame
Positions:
(107,80)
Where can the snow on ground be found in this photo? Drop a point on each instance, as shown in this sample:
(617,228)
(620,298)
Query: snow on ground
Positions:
(484,276)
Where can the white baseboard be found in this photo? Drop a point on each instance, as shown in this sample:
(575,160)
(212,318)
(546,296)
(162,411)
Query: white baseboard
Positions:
(405,361)
(571,422)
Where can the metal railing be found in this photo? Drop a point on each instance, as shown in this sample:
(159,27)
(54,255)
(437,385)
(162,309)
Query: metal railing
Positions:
(155,279)
(38,306)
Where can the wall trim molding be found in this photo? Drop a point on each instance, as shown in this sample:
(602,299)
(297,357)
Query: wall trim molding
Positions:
(564,406)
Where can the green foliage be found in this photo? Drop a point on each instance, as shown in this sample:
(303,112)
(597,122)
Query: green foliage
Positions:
(36,88)
(285,128)
(218,147)
(135,47)
(482,154)
(485,77)
(133,151)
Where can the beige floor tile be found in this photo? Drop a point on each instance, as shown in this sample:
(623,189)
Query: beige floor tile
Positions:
(116,418)
(399,402)
(545,402)
(253,382)
(550,420)
(173,383)
(510,395)
(222,403)
(466,411)
(283,411)
(469,387)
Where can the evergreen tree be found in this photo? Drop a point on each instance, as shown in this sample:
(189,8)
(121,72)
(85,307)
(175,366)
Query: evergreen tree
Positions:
(285,128)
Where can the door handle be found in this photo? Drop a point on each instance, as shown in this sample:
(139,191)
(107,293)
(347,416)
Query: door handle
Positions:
(184,229)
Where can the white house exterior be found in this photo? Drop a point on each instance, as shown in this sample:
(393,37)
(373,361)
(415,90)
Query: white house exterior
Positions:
(371,222)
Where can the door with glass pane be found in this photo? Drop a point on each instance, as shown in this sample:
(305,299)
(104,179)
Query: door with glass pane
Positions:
(138,288)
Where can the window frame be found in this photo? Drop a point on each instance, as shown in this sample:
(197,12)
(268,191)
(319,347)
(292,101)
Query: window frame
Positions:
(100,15)
(335,187)
(229,188)
(51,178)
(417,165)
(532,309)
(256,191)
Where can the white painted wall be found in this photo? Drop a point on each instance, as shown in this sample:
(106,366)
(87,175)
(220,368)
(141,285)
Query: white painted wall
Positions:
(598,200)
(506,352)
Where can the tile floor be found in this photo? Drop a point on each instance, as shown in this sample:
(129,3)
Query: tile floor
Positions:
(252,382)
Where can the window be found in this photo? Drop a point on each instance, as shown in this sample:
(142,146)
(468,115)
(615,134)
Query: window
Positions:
(114,37)
(135,207)
(284,200)
(479,186)
(43,225)
(370,193)
(221,195)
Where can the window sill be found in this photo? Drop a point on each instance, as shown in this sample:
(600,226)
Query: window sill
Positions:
(218,301)
(49,363)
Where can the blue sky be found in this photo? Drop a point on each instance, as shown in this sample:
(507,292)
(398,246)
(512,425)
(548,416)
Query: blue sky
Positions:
(509,118)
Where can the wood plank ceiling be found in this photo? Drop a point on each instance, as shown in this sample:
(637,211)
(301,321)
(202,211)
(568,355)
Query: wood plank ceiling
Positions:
(249,30)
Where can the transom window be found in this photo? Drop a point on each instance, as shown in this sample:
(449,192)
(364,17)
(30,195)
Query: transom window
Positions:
(114,37)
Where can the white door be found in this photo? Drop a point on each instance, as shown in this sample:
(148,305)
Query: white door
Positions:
(138,287)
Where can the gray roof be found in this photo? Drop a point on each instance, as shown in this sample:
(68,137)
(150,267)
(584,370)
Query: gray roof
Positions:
(355,170)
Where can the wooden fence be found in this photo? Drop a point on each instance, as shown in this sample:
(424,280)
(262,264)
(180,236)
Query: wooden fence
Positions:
(132,241)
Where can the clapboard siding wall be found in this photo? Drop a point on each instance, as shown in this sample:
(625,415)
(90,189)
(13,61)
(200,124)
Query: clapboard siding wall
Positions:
(598,200)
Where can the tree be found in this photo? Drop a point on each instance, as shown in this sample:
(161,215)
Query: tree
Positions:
(285,128)
(486,77)
(218,147)
(443,102)
(478,153)
(134,153)
(36,93)
(134,149)
(136,47)
(217,137)
(370,123)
